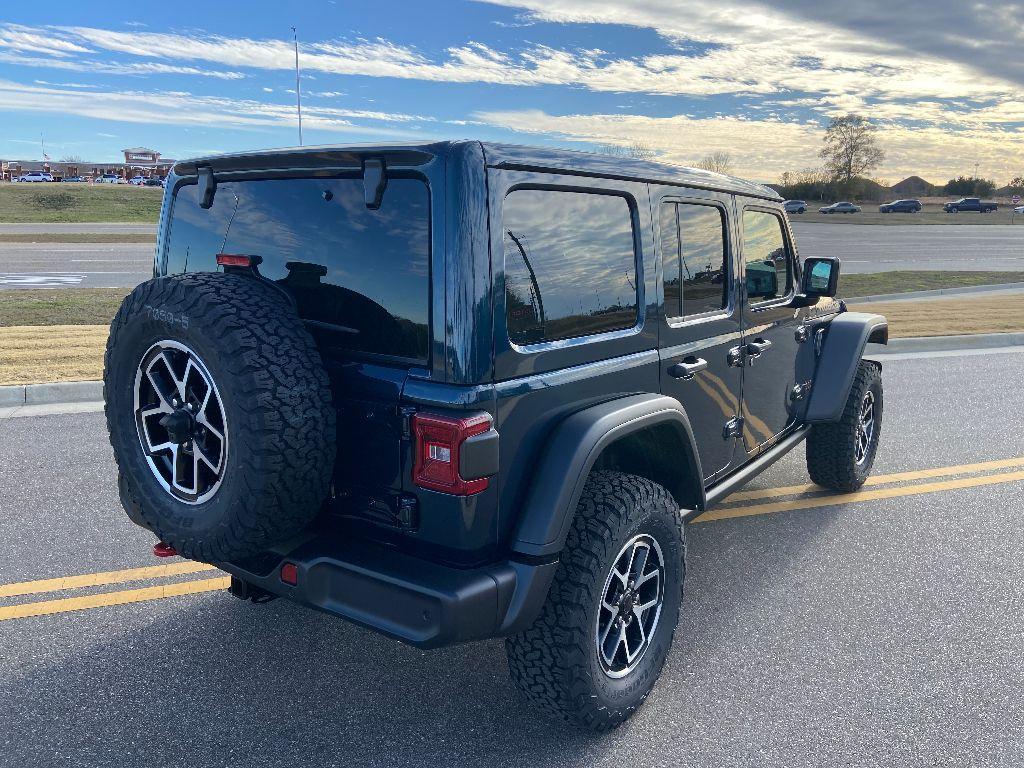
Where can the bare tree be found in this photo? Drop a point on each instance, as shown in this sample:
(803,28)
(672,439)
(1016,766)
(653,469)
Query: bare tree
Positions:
(71,159)
(717,162)
(851,148)
(635,149)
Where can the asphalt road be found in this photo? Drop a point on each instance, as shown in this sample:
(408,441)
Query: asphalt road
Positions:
(98,228)
(70,265)
(880,632)
(891,247)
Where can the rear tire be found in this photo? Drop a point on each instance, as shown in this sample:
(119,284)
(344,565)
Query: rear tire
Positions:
(840,454)
(578,661)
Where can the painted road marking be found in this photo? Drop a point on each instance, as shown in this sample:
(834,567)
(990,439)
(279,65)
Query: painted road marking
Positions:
(176,589)
(103,578)
(47,607)
(858,496)
(40,281)
(898,477)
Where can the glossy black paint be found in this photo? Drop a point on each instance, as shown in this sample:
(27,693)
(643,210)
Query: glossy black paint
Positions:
(560,403)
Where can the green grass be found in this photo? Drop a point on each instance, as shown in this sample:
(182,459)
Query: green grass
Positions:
(932,214)
(78,203)
(851,286)
(78,237)
(61,306)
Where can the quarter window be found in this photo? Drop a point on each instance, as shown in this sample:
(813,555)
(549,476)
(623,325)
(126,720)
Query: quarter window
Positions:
(695,260)
(769,268)
(570,265)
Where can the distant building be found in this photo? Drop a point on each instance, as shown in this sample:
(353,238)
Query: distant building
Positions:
(138,161)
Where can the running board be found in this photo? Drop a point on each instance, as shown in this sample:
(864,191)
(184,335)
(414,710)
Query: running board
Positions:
(745,474)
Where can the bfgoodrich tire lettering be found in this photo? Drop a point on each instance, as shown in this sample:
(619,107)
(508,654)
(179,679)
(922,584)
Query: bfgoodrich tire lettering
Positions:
(276,404)
(556,661)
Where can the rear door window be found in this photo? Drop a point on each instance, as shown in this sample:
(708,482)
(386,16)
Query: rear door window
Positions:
(570,265)
(694,259)
(361,275)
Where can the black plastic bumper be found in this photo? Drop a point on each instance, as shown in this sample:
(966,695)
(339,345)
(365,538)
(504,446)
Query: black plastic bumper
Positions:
(414,600)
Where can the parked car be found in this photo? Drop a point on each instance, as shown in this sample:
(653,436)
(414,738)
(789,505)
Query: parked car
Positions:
(840,208)
(1019,209)
(901,206)
(445,441)
(973,204)
(109,178)
(35,176)
(153,181)
(795,206)
(137,181)
(73,179)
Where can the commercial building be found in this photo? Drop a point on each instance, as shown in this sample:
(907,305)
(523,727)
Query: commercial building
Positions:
(138,161)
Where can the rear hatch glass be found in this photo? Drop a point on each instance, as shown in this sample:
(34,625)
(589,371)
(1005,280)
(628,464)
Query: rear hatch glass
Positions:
(360,275)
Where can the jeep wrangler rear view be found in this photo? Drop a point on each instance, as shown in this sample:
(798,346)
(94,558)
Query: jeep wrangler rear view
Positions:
(455,391)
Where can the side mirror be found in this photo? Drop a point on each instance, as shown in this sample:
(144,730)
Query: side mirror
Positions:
(820,278)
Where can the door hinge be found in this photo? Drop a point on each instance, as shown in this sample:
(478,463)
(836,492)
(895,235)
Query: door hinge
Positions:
(802,334)
(733,428)
(799,391)
(735,357)
(405,414)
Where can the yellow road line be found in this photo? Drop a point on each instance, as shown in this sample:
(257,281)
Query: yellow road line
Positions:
(100,579)
(123,597)
(898,477)
(849,498)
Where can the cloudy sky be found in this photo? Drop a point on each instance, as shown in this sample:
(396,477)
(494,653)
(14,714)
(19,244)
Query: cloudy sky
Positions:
(943,80)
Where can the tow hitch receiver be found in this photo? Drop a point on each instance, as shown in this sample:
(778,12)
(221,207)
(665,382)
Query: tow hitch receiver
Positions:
(243,590)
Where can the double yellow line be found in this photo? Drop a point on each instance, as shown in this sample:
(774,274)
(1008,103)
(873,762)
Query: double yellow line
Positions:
(797,497)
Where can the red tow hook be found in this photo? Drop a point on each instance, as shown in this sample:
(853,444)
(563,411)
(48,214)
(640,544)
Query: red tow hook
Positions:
(162,549)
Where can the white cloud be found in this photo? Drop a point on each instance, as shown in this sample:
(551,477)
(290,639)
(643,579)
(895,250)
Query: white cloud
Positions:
(115,68)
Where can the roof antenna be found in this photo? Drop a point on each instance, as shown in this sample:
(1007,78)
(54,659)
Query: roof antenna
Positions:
(298,89)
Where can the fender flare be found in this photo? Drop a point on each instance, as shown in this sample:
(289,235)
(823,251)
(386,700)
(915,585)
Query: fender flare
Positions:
(841,352)
(572,450)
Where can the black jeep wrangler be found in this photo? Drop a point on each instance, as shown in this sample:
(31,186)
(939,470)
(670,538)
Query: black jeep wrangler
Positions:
(454,391)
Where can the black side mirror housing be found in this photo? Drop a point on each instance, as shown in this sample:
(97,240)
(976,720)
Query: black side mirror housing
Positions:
(820,278)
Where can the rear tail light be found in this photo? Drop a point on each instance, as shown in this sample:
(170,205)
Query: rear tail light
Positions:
(439,441)
(290,573)
(233,260)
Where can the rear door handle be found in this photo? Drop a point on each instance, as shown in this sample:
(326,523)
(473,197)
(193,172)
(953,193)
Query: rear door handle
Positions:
(756,347)
(688,368)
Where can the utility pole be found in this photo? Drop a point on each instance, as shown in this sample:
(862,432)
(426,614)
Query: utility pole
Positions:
(298,90)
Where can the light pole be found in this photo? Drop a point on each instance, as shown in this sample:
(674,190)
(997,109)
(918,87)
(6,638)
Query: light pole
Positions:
(298,90)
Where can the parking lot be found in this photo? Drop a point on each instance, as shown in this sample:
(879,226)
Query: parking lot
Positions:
(816,630)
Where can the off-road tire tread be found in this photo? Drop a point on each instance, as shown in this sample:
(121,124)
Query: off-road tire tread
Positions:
(542,659)
(831,458)
(287,433)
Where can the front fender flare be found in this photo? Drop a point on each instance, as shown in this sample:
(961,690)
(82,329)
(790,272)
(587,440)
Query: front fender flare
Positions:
(841,352)
(573,448)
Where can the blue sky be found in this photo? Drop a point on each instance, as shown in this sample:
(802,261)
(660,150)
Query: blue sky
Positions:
(686,79)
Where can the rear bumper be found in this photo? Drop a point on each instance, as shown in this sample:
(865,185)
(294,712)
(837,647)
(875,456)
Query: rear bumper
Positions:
(417,601)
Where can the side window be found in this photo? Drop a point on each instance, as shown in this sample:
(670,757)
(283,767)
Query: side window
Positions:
(769,268)
(570,265)
(695,259)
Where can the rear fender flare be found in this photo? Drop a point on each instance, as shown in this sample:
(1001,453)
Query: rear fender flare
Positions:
(575,446)
(841,352)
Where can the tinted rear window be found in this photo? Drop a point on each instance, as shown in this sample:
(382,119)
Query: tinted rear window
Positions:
(570,265)
(347,266)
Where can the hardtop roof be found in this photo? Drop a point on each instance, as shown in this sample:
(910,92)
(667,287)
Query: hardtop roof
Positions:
(497,155)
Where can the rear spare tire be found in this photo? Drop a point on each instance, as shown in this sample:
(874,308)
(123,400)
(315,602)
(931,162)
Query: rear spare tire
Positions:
(219,413)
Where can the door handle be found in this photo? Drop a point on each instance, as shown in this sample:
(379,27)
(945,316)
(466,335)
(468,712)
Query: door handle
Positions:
(756,347)
(688,368)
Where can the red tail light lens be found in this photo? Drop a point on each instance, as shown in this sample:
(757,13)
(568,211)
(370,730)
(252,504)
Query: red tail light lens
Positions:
(233,260)
(290,573)
(439,442)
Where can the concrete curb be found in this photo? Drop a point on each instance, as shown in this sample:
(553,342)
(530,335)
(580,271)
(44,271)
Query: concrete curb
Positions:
(48,394)
(912,295)
(948,343)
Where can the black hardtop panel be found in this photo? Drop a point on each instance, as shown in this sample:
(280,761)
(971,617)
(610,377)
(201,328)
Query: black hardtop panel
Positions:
(565,161)
(570,162)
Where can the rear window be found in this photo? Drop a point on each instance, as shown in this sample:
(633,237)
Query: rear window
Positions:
(570,265)
(360,275)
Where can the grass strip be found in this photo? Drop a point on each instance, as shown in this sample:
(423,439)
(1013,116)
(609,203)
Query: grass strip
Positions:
(77,237)
(79,203)
(878,283)
(945,317)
